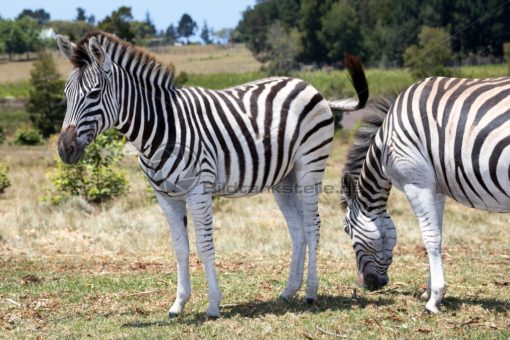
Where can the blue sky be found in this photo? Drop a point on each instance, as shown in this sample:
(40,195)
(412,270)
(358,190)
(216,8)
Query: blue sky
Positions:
(218,13)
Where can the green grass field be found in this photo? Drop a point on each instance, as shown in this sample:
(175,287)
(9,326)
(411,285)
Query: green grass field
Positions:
(107,271)
(78,270)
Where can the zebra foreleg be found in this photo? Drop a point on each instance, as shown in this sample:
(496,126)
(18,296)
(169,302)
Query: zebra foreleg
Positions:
(428,209)
(288,201)
(200,205)
(175,212)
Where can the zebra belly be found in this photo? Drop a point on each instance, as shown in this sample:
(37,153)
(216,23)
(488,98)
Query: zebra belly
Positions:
(488,190)
(254,179)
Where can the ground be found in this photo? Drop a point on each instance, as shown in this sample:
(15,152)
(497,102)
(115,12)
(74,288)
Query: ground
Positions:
(79,269)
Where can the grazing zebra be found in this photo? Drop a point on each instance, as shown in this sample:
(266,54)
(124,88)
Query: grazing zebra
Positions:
(196,143)
(440,137)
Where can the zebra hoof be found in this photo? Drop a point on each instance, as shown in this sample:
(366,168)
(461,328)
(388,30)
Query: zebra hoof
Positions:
(311,301)
(284,298)
(431,309)
(213,316)
(172,315)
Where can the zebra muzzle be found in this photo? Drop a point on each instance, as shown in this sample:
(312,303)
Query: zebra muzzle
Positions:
(69,149)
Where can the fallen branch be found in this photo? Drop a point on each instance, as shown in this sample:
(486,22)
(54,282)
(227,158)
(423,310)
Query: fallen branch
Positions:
(13,302)
(331,333)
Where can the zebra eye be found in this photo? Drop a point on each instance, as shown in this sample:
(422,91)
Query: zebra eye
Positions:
(346,226)
(94,94)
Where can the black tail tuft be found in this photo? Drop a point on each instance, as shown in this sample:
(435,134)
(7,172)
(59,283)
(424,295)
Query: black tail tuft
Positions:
(358,79)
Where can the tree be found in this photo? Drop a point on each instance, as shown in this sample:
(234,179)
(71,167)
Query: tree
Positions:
(283,49)
(224,35)
(91,20)
(80,14)
(432,54)
(252,29)
(142,32)
(171,34)
(310,25)
(150,25)
(506,51)
(340,32)
(118,23)
(46,102)
(186,27)
(73,29)
(40,15)
(21,36)
(206,33)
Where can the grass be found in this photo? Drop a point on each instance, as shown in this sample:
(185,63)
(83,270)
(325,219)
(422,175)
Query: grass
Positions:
(13,118)
(14,90)
(107,271)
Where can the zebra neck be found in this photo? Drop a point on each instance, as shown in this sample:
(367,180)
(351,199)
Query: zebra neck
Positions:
(145,109)
(373,185)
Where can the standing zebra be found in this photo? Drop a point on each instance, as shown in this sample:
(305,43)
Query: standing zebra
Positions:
(196,143)
(440,137)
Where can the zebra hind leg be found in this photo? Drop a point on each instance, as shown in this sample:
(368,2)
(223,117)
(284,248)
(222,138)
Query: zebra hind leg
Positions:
(309,182)
(288,201)
(428,208)
(440,200)
(175,212)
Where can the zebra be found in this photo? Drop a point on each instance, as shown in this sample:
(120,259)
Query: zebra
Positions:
(194,143)
(440,137)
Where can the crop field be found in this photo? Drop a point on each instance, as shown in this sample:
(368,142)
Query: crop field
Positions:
(107,271)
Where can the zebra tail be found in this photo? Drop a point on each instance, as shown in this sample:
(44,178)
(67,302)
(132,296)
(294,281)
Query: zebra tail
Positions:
(359,81)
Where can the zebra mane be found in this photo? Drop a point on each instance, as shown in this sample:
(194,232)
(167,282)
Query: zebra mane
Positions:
(374,114)
(117,49)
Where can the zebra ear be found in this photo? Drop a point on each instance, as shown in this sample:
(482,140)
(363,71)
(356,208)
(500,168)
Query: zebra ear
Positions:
(348,188)
(99,54)
(65,46)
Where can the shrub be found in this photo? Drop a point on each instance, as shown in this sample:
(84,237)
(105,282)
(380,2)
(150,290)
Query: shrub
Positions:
(96,177)
(432,54)
(181,79)
(2,135)
(506,52)
(4,181)
(27,137)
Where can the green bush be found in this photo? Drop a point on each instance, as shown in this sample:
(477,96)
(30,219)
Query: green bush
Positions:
(432,55)
(27,137)
(4,181)
(96,177)
(2,135)
(506,52)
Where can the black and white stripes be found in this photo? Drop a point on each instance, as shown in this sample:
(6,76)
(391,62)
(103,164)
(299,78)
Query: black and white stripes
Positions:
(441,137)
(195,143)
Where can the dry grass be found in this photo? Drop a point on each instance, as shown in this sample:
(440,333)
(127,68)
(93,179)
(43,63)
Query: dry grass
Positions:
(80,269)
(190,59)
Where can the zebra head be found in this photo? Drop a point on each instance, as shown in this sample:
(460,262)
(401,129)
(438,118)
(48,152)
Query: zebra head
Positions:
(89,92)
(373,236)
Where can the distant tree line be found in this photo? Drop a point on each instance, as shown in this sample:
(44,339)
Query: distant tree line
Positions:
(23,34)
(321,31)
